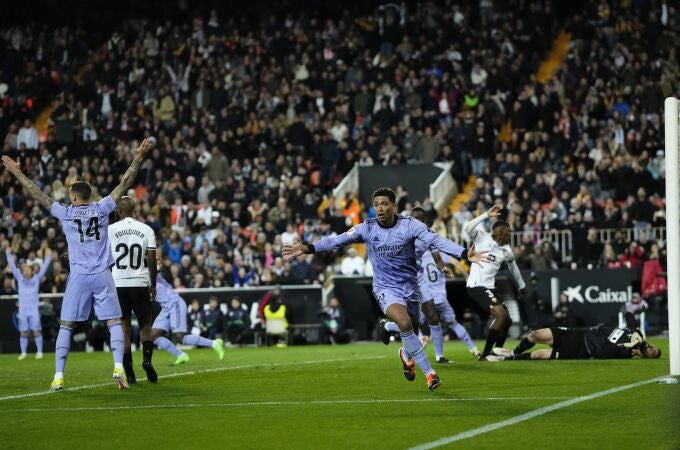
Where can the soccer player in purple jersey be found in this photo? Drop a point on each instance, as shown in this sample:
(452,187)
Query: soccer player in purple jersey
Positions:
(390,245)
(90,281)
(28,285)
(173,319)
(432,271)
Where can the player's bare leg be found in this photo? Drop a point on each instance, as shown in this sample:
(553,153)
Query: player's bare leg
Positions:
(541,336)
(543,353)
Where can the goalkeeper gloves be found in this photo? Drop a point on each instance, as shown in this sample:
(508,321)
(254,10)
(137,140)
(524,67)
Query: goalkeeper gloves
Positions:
(635,339)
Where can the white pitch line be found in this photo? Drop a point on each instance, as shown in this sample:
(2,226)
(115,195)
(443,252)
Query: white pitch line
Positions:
(194,372)
(275,403)
(529,415)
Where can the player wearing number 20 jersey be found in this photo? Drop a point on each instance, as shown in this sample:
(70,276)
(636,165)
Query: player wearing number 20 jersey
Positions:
(133,245)
(130,239)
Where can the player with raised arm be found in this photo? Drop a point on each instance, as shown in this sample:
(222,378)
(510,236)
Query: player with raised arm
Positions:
(436,309)
(133,245)
(173,319)
(390,243)
(90,281)
(481,283)
(28,286)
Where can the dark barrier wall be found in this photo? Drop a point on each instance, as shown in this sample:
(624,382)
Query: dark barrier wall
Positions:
(596,295)
(304,303)
(415,178)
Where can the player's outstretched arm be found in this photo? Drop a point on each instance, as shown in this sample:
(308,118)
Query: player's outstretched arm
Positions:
(15,169)
(294,250)
(447,246)
(441,265)
(130,174)
(12,265)
(351,236)
(46,264)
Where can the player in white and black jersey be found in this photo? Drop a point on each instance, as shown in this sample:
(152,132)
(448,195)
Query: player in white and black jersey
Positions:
(481,283)
(133,245)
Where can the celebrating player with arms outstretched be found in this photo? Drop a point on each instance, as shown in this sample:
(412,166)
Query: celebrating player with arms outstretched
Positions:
(432,271)
(481,283)
(28,285)
(390,242)
(90,281)
(172,320)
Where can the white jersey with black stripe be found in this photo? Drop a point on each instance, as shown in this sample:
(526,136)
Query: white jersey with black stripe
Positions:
(486,276)
(130,239)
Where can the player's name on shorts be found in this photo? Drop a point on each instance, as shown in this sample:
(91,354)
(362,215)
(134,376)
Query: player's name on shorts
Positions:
(129,232)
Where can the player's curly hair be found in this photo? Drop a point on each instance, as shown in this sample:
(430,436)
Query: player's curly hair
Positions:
(499,223)
(385,192)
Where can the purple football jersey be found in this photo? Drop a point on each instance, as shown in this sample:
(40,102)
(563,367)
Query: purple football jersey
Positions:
(165,294)
(29,288)
(86,233)
(392,250)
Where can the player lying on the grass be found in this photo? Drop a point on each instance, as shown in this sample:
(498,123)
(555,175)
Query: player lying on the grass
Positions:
(481,283)
(436,309)
(600,342)
(90,281)
(28,287)
(390,243)
(173,319)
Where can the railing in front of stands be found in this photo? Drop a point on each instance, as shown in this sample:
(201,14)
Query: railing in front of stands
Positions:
(630,234)
(560,240)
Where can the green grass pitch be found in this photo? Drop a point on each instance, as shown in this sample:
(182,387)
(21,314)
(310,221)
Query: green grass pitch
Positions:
(352,397)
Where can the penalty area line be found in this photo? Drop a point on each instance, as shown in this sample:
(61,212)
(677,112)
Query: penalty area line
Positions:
(529,415)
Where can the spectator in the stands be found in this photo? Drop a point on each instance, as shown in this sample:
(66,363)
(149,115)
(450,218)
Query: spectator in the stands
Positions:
(352,264)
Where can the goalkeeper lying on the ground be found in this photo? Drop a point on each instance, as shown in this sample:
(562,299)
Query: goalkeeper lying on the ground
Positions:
(601,342)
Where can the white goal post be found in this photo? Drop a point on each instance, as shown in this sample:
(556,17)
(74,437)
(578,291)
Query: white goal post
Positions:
(673,230)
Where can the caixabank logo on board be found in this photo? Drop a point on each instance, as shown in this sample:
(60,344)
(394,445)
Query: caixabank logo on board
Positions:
(593,294)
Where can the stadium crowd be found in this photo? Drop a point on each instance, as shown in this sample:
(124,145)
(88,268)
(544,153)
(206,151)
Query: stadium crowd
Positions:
(256,122)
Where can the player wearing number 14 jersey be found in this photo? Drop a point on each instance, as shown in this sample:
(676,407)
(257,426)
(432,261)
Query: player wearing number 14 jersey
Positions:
(133,245)
(90,282)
